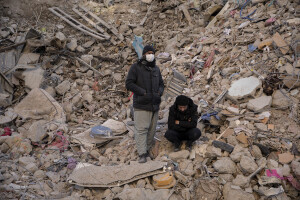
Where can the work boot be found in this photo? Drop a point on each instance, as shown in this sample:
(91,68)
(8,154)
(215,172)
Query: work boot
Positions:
(177,147)
(189,146)
(143,158)
(150,155)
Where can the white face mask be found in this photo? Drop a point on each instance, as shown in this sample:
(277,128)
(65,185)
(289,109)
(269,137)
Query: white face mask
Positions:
(150,57)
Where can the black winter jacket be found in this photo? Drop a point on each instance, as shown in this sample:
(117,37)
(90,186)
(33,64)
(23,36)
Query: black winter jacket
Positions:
(147,85)
(183,117)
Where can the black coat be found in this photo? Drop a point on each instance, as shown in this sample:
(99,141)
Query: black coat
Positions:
(183,117)
(147,85)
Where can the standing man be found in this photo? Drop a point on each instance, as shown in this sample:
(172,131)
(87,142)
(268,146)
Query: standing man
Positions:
(145,81)
(182,123)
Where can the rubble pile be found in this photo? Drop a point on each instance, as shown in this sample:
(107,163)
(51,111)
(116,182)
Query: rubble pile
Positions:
(66,128)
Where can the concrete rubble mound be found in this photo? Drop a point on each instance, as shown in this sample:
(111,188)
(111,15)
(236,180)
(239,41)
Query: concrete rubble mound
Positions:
(67,129)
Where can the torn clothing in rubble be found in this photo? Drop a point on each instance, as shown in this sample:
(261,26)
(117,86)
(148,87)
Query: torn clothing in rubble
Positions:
(145,81)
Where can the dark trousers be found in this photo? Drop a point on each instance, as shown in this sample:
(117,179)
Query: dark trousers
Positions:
(176,137)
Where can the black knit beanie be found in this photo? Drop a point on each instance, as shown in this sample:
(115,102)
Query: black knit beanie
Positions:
(148,48)
(182,100)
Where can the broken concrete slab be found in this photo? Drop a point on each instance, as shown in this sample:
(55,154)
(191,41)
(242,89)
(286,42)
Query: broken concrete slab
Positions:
(38,104)
(260,103)
(248,164)
(89,175)
(279,100)
(225,166)
(37,131)
(230,193)
(281,44)
(142,193)
(286,158)
(28,58)
(33,77)
(117,127)
(63,87)
(243,88)
(8,116)
(184,154)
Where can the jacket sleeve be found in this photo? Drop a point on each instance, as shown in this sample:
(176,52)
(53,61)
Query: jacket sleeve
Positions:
(193,122)
(131,82)
(161,85)
(171,122)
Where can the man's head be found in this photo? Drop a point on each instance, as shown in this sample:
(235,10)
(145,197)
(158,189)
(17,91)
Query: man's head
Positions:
(148,53)
(182,102)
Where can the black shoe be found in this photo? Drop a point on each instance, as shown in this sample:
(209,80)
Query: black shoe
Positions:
(177,147)
(189,146)
(150,155)
(143,158)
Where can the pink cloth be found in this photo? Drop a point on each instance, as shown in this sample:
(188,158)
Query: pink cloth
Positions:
(291,179)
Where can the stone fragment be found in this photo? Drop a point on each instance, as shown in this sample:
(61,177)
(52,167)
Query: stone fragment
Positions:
(243,88)
(233,110)
(63,87)
(141,183)
(260,103)
(296,169)
(241,181)
(242,138)
(39,174)
(279,41)
(31,167)
(55,177)
(286,158)
(72,45)
(248,164)
(293,22)
(238,152)
(226,177)
(4,34)
(95,154)
(23,161)
(279,100)
(37,131)
(60,36)
(225,166)
(184,154)
(256,152)
(87,58)
(235,193)
(213,152)
(261,126)
(80,49)
(88,44)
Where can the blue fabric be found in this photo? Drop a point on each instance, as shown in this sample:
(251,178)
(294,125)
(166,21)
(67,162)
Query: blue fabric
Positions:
(138,45)
(207,116)
(252,48)
(248,16)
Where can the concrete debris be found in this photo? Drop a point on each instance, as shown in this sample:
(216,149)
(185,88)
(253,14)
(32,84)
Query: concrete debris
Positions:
(63,87)
(112,176)
(225,166)
(38,104)
(260,103)
(237,61)
(243,88)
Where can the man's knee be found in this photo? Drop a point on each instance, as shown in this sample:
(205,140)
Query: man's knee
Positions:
(196,133)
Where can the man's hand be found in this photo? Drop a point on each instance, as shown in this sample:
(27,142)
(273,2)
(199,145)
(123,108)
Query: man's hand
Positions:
(176,122)
(190,119)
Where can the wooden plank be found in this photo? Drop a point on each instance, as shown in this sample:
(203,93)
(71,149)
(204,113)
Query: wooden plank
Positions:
(282,45)
(214,20)
(111,28)
(74,23)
